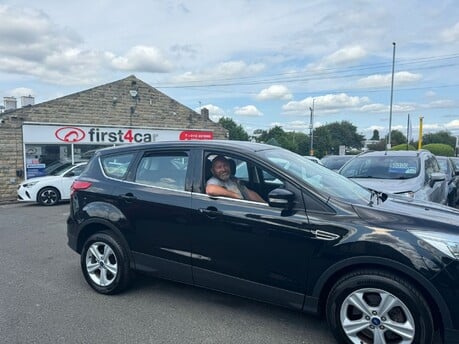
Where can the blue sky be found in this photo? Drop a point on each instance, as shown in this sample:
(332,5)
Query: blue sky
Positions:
(260,63)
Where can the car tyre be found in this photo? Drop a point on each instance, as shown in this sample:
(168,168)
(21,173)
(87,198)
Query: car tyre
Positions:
(48,196)
(105,263)
(378,307)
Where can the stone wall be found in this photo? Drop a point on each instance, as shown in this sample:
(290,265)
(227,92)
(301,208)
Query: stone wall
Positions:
(111,104)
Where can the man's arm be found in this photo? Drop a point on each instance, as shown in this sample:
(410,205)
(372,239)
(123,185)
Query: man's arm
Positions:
(217,190)
(253,196)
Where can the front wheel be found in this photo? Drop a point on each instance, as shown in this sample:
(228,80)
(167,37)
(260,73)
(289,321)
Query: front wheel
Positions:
(105,263)
(380,308)
(48,196)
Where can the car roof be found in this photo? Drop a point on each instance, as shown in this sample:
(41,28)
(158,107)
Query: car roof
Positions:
(394,153)
(230,145)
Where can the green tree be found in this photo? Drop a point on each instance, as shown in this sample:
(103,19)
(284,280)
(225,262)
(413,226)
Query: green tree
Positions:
(396,138)
(323,143)
(235,131)
(443,136)
(375,135)
(329,137)
(439,149)
(403,146)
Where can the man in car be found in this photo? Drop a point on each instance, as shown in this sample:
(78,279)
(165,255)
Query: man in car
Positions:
(224,184)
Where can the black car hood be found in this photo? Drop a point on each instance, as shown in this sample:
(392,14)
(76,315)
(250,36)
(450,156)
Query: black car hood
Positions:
(403,213)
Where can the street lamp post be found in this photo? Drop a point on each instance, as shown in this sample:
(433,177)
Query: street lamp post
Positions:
(388,146)
(311,129)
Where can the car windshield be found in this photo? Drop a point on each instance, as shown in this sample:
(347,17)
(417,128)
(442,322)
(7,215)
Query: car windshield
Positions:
(335,162)
(319,178)
(382,167)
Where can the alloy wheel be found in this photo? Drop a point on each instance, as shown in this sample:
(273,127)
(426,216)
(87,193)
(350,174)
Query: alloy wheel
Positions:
(101,264)
(376,316)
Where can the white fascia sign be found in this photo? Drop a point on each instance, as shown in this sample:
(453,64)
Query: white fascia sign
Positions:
(77,134)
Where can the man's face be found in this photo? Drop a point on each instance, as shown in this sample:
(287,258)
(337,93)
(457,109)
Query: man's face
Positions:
(221,170)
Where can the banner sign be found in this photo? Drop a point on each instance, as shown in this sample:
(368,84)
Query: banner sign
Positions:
(106,135)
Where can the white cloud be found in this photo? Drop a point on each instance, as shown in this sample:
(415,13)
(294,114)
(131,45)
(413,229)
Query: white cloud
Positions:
(451,34)
(344,56)
(275,92)
(221,72)
(324,104)
(453,125)
(378,80)
(142,59)
(248,110)
(21,91)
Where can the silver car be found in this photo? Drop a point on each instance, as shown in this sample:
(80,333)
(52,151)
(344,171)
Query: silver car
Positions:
(415,174)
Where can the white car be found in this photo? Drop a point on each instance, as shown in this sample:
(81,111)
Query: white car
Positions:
(49,190)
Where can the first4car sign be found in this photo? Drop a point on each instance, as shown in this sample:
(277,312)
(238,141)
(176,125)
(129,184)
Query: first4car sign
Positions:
(106,135)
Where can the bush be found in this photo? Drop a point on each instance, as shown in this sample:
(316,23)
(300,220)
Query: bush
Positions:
(403,146)
(439,149)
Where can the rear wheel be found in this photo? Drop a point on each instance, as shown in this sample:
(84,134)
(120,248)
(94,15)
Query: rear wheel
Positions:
(105,263)
(378,307)
(48,196)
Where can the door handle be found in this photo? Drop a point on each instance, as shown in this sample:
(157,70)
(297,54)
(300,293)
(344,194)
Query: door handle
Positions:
(211,212)
(128,197)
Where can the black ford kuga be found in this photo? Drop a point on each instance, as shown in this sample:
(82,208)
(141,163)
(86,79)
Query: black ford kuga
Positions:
(381,268)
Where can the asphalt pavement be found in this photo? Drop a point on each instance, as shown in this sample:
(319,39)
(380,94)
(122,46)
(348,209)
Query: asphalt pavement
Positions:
(44,298)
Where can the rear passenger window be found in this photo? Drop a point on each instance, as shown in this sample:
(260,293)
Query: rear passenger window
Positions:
(116,166)
(166,170)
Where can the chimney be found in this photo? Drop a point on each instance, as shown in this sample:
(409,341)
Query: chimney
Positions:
(27,100)
(205,113)
(10,103)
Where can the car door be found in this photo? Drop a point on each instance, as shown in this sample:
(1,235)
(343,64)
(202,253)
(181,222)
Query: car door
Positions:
(249,248)
(157,206)
(68,179)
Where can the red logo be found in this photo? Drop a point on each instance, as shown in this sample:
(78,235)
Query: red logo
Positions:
(196,135)
(70,134)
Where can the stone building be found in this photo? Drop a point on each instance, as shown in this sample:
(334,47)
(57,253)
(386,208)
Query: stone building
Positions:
(71,127)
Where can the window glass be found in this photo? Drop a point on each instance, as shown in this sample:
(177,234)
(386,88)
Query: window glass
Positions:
(75,171)
(116,166)
(382,167)
(316,176)
(163,170)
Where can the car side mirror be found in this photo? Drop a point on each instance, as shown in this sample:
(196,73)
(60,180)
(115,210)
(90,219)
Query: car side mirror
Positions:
(437,177)
(69,174)
(281,198)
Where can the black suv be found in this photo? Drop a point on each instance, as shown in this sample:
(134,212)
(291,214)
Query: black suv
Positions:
(381,268)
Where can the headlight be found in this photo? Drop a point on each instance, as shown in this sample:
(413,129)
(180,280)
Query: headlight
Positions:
(406,194)
(29,185)
(446,243)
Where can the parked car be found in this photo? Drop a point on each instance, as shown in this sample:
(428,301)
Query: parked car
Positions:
(335,162)
(452,179)
(51,189)
(455,161)
(381,268)
(415,174)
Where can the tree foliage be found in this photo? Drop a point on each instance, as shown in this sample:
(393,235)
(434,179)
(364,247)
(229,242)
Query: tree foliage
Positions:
(235,131)
(440,149)
(440,137)
(375,135)
(403,146)
(396,138)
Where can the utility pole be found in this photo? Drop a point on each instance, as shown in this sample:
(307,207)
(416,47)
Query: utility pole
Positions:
(311,129)
(388,146)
